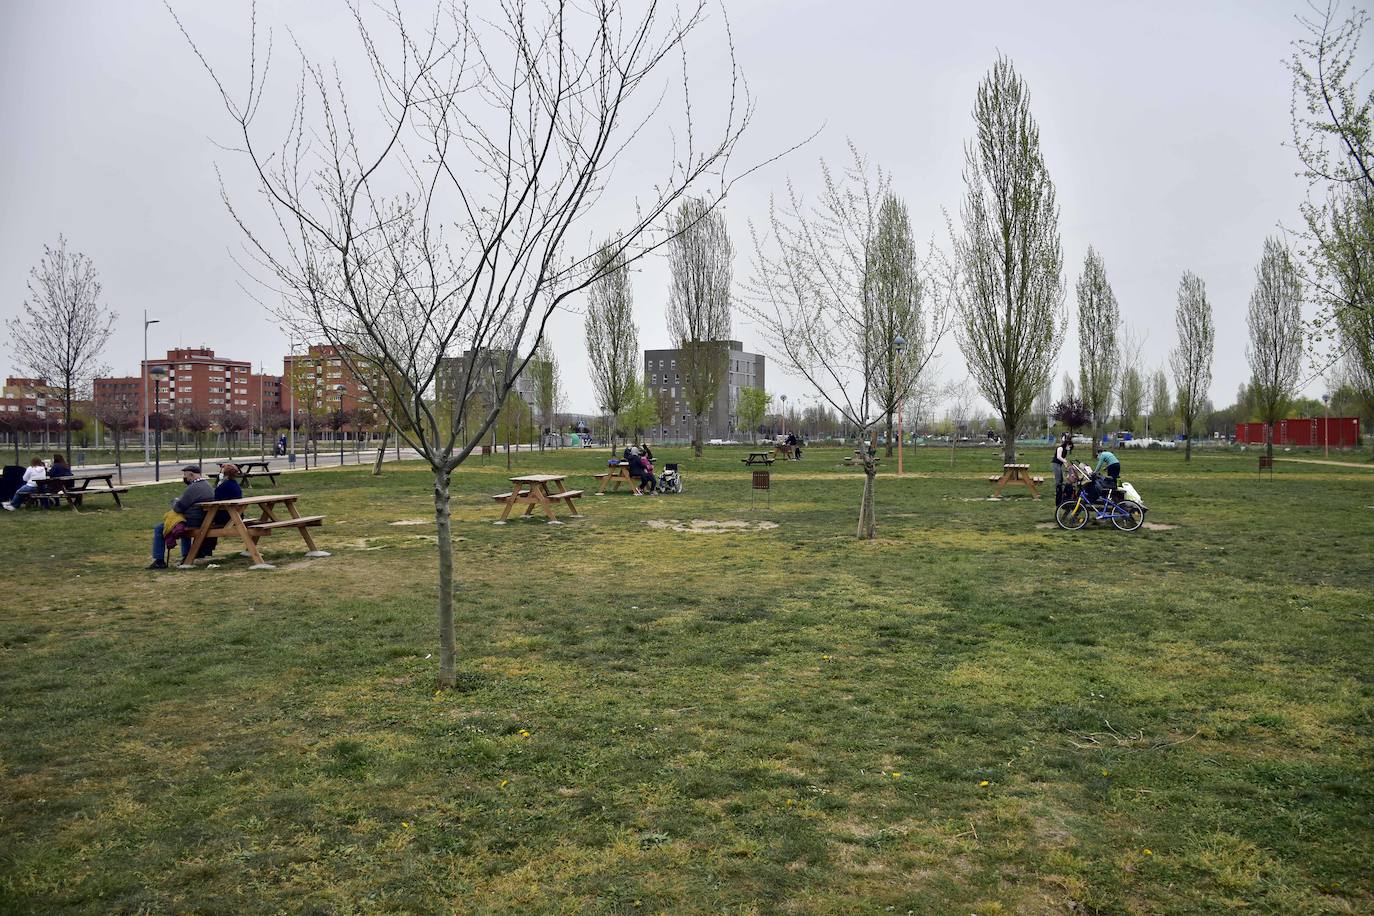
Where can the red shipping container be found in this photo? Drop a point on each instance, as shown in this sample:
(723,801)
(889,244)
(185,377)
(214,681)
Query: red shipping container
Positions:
(1339,432)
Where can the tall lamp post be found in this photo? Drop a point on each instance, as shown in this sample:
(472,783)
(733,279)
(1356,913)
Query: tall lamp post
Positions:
(899,346)
(157,372)
(784,414)
(1326,426)
(341,389)
(146,321)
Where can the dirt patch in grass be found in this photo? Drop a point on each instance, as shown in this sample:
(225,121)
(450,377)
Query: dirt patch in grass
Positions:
(1157,526)
(709,526)
(413,521)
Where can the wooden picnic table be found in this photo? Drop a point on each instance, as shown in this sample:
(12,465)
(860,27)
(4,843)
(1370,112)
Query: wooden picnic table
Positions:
(249,470)
(617,474)
(252,530)
(538,490)
(1018,474)
(75,486)
(760,457)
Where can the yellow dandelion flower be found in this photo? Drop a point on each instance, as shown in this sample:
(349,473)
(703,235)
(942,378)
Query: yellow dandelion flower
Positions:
(896,775)
(504,783)
(984,784)
(1148,853)
(524,734)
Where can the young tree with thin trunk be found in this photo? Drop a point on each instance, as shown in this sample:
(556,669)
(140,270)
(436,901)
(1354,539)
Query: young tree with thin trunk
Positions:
(1010,293)
(1130,397)
(454,227)
(701,260)
(1160,407)
(1191,358)
(548,387)
(612,336)
(231,423)
(1099,355)
(639,412)
(811,294)
(751,407)
(895,295)
(62,327)
(196,423)
(1276,335)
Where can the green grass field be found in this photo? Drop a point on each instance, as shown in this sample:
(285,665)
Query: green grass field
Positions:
(977,713)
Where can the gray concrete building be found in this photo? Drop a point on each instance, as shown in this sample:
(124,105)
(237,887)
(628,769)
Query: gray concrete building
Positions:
(664,377)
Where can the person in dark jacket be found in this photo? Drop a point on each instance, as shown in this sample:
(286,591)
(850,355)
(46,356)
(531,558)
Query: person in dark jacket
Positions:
(187,504)
(59,468)
(227,488)
(641,471)
(1059,461)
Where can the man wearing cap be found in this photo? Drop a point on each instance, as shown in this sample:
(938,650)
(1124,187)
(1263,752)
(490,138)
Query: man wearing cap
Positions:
(197,491)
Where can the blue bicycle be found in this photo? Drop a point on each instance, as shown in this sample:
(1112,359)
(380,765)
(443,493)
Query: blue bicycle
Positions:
(1073,514)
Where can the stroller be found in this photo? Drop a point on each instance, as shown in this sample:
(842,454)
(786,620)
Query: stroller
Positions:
(670,481)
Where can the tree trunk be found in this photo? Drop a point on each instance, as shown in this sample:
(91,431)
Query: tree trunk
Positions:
(381,453)
(889,434)
(1187,442)
(698,434)
(67,421)
(1008,444)
(868,528)
(1269,442)
(447,649)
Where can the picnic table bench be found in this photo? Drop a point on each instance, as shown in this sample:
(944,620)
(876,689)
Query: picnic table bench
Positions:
(249,470)
(1018,474)
(542,491)
(252,530)
(73,488)
(760,457)
(615,474)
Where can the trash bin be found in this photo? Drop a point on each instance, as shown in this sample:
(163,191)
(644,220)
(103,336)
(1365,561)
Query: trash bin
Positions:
(291,459)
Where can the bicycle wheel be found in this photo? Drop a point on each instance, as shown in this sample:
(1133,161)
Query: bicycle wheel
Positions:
(1072,514)
(1128,516)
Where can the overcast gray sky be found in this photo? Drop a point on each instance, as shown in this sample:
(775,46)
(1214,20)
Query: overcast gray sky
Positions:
(1162,126)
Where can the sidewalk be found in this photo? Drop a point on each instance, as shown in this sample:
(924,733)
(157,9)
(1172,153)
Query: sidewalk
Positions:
(138,474)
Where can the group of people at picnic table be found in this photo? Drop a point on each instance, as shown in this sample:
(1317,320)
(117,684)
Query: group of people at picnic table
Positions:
(37,471)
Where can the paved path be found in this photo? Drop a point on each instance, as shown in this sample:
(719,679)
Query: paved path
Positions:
(137,473)
(1334,464)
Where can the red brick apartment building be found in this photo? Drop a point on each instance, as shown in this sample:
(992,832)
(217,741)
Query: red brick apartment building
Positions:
(317,376)
(195,379)
(30,396)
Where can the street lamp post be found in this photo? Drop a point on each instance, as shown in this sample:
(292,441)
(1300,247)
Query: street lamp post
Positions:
(341,389)
(1326,426)
(899,345)
(146,322)
(784,414)
(157,372)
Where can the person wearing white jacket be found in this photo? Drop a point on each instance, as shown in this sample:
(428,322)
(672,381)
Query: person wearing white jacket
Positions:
(35,472)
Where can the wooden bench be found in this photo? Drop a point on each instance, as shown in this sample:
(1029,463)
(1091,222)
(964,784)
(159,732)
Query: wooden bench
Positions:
(250,531)
(617,475)
(522,494)
(538,491)
(52,490)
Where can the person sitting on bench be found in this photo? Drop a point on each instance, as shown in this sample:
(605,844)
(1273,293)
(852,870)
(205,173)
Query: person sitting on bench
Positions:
(36,472)
(188,506)
(227,488)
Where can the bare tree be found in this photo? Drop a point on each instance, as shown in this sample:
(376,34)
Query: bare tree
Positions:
(1010,291)
(63,327)
(1191,358)
(453,227)
(1333,135)
(612,337)
(231,423)
(1098,353)
(1070,389)
(810,293)
(701,258)
(548,387)
(1276,335)
(196,423)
